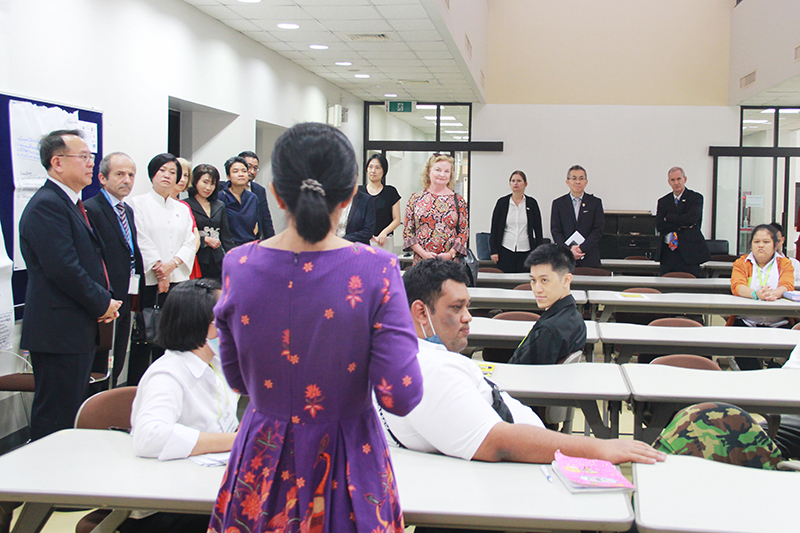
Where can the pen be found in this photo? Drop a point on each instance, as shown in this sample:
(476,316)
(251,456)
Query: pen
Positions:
(547,474)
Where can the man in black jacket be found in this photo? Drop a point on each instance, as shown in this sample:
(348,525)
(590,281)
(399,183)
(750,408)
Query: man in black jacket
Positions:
(112,219)
(577,220)
(265,227)
(679,216)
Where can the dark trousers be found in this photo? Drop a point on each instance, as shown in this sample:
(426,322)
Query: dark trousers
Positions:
(143,353)
(510,262)
(752,363)
(166,523)
(123,329)
(62,381)
(672,261)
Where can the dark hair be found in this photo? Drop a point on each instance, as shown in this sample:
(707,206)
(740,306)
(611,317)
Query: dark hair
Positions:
(576,167)
(424,280)
(558,256)
(384,165)
(521,175)
(159,161)
(105,164)
(778,227)
(200,171)
(187,313)
(52,143)
(232,161)
(248,153)
(314,168)
(769,228)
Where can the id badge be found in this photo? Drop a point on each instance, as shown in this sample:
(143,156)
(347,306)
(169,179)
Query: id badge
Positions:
(133,286)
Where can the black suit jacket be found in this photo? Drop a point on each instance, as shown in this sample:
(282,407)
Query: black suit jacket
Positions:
(361,221)
(590,224)
(218,220)
(115,247)
(499,216)
(685,219)
(264,216)
(66,283)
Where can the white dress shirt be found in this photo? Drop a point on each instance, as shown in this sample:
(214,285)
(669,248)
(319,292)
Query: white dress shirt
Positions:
(515,236)
(180,396)
(164,231)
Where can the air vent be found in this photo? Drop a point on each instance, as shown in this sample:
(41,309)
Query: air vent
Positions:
(368,37)
(797,54)
(467,46)
(414,82)
(748,80)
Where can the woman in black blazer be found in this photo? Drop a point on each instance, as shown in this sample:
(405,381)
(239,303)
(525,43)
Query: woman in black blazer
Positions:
(212,221)
(514,236)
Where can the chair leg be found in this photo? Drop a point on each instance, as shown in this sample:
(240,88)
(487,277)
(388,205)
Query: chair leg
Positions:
(112,521)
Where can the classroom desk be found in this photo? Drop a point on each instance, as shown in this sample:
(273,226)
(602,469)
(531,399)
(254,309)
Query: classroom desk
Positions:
(628,339)
(698,285)
(711,269)
(694,495)
(91,468)
(718,304)
(668,388)
(575,385)
(509,333)
(511,300)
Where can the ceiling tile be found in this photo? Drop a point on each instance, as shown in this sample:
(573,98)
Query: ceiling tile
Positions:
(262,11)
(271,24)
(242,25)
(261,36)
(359,26)
(219,12)
(309,37)
(388,54)
(328,12)
(420,36)
(408,11)
(428,46)
(412,24)
(379,46)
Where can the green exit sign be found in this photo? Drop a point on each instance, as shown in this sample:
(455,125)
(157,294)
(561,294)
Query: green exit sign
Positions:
(400,107)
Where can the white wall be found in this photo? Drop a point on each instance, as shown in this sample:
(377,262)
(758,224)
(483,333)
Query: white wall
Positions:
(626,151)
(128,57)
(763,38)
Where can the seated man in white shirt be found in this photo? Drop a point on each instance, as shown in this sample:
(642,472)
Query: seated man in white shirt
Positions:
(183,405)
(779,248)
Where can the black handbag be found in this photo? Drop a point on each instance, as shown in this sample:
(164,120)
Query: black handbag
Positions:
(151,316)
(469,261)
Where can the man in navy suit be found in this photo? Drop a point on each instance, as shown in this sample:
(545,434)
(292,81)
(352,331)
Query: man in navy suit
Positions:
(679,216)
(577,220)
(112,220)
(68,292)
(264,217)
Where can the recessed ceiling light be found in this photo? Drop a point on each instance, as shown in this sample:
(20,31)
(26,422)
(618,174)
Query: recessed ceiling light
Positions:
(768,111)
(343,63)
(250,1)
(755,122)
(787,111)
(426,106)
(455,131)
(288,26)
(318,47)
(390,95)
(452,124)
(362,75)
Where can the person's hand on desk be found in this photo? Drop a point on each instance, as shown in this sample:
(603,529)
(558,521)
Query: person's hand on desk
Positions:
(767,294)
(624,450)
(111,313)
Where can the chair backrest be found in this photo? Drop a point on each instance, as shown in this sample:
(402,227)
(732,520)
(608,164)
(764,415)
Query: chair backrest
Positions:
(796,326)
(482,248)
(724,257)
(523,287)
(574,357)
(717,246)
(591,271)
(637,258)
(106,410)
(493,270)
(643,290)
(686,361)
(18,381)
(678,275)
(523,316)
(675,322)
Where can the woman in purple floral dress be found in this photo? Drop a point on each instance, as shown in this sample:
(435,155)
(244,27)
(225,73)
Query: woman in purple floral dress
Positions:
(310,325)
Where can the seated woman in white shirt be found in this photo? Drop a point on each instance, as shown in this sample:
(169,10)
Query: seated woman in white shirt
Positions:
(183,405)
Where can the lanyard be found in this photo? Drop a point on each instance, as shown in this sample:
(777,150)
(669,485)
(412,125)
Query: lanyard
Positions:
(761,272)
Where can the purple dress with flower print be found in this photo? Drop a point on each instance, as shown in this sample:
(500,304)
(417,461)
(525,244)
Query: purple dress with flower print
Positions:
(308,336)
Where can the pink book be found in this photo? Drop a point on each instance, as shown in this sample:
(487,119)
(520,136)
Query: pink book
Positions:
(580,475)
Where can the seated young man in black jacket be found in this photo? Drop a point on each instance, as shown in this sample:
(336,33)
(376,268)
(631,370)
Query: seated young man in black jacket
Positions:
(561,330)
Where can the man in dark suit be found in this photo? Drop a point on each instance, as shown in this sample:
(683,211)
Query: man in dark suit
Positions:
(577,220)
(112,220)
(67,291)
(679,216)
(264,217)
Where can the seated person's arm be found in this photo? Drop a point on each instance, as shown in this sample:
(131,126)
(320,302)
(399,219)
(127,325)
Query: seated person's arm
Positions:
(528,444)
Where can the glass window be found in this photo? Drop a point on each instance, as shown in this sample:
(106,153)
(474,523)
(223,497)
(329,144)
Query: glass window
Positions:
(758,127)
(391,126)
(455,123)
(789,128)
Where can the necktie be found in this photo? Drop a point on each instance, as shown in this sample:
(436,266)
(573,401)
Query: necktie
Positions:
(673,237)
(123,220)
(576,205)
(86,218)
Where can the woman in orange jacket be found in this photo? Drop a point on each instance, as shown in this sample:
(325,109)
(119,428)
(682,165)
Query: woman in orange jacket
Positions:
(760,275)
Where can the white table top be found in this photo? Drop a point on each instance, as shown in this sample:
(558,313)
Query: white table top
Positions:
(690,494)
(592,381)
(97,468)
(775,389)
(488,332)
(710,340)
(484,297)
(698,285)
(724,304)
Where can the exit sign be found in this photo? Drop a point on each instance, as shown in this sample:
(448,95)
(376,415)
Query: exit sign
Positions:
(400,107)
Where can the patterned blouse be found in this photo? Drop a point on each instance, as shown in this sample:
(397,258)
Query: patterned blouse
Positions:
(431,222)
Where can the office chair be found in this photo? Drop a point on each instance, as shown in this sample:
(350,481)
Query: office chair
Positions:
(502,355)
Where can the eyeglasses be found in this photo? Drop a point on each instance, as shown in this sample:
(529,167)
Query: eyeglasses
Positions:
(252,167)
(86,157)
(576,179)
